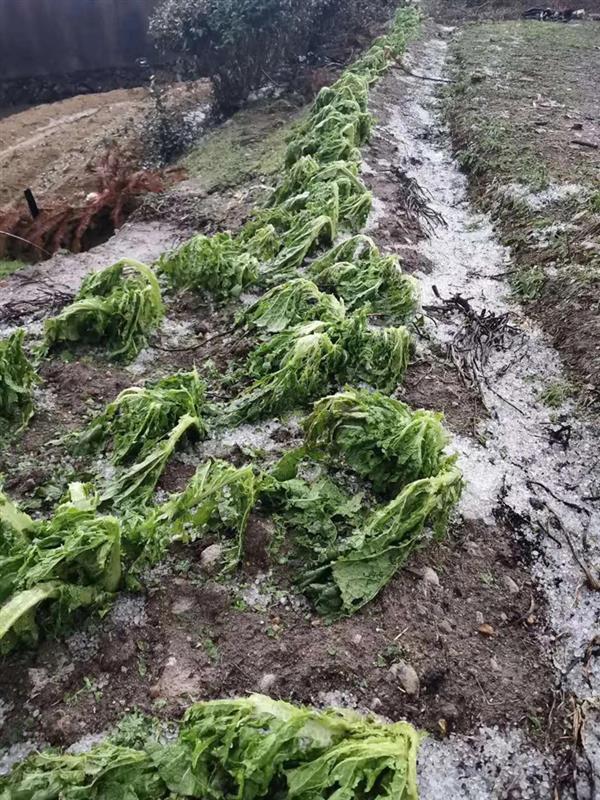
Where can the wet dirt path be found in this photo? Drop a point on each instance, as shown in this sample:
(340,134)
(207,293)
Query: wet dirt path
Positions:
(534,469)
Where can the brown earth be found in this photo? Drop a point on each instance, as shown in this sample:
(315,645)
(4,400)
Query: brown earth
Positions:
(472,640)
(49,148)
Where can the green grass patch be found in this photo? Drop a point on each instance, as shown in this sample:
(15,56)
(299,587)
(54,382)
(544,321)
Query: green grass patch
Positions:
(8,267)
(251,143)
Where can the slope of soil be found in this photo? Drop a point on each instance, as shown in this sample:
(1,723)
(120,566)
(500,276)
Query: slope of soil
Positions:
(49,148)
(524,114)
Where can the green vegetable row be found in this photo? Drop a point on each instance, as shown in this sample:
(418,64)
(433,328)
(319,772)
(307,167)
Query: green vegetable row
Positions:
(314,336)
(249,748)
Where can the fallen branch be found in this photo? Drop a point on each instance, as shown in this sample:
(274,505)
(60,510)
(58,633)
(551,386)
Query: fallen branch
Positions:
(425,77)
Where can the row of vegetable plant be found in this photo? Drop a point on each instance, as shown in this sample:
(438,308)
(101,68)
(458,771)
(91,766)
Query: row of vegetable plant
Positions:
(324,286)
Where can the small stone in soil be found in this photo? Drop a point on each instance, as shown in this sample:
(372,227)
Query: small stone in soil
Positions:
(430,576)
(267,682)
(210,557)
(406,676)
(511,585)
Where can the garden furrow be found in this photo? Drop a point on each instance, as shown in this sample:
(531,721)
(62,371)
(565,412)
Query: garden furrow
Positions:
(520,468)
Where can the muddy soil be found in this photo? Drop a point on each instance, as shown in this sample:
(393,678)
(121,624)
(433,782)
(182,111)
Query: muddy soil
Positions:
(50,148)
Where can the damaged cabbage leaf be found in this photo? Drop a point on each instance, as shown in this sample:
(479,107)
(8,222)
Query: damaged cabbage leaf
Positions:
(218,499)
(378,437)
(135,422)
(72,559)
(311,510)
(17,380)
(290,304)
(219,265)
(118,307)
(356,272)
(250,748)
(294,367)
(368,559)
(136,484)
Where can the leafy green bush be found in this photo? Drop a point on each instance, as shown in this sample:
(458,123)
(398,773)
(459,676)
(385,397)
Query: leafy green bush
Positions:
(17,379)
(117,307)
(243,44)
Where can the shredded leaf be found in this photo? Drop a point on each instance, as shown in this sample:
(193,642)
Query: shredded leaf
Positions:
(356,272)
(73,559)
(377,437)
(219,265)
(218,499)
(248,748)
(300,364)
(370,557)
(290,304)
(136,484)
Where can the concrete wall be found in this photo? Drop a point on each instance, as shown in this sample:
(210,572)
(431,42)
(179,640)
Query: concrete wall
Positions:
(54,37)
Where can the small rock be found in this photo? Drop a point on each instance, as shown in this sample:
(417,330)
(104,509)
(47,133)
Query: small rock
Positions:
(376,704)
(511,585)
(406,676)
(183,605)
(267,682)
(448,711)
(430,576)
(486,630)
(472,548)
(479,618)
(446,626)
(210,557)
(494,664)
(357,638)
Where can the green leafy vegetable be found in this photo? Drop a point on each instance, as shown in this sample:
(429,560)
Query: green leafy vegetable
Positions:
(137,483)
(119,306)
(379,438)
(357,273)
(218,499)
(219,265)
(140,417)
(302,363)
(293,302)
(368,559)
(73,559)
(17,379)
(248,748)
